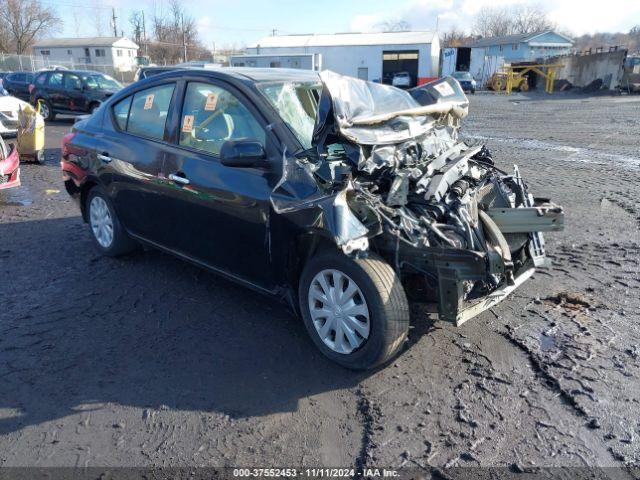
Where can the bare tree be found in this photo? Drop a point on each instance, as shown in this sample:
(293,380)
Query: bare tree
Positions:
(455,38)
(498,22)
(25,20)
(531,18)
(171,31)
(135,20)
(492,22)
(630,40)
(99,18)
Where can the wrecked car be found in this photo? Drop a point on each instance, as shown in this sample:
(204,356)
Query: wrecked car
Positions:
(9,166)
(342,197)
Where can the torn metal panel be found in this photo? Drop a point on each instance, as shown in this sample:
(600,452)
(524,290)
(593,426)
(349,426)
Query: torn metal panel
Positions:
(546,218)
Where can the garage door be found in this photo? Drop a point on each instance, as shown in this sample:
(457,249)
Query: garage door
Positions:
(395,61)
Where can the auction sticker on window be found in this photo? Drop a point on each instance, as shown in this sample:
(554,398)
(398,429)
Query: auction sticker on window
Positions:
(444,89)
(148,102)
(187,123)
(212,101)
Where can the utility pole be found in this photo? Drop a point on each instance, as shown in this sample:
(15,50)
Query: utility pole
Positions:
(144,36)
(113,21)
(184,40)
(274,32)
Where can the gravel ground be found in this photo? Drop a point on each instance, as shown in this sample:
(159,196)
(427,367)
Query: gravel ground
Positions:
(149,361)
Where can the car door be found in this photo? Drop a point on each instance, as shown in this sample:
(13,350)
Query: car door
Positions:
(130,151)
(74,95)
(55,91)
(219,215)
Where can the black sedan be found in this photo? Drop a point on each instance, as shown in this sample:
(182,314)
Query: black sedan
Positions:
(339,196)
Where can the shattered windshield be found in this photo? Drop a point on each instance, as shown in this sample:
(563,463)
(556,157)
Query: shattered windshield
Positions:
(297,104)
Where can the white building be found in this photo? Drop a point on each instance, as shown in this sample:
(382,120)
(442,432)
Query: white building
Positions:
(117,52)
(369,56)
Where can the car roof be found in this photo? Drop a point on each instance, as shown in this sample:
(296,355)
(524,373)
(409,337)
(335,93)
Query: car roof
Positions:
(258,75)
(77,72)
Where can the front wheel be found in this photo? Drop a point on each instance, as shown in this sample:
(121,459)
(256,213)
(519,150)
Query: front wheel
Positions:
(108,234)
(46,110)
(355,310)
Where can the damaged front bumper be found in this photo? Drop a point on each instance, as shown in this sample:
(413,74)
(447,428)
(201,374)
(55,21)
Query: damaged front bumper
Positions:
(389,174)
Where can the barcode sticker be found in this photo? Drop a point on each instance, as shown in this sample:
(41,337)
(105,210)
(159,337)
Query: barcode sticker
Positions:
(212,101)
(148,102)
(187,123)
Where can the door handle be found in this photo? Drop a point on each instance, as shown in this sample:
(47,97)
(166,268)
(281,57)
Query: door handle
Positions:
(104,157)
(178,179)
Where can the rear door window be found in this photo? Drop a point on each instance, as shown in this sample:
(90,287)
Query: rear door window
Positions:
(72,82)
(212,115)
(148,112)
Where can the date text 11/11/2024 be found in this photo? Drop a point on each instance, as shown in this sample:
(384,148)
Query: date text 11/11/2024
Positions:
(315,472)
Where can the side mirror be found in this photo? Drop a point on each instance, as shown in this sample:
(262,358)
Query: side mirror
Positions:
(243,152)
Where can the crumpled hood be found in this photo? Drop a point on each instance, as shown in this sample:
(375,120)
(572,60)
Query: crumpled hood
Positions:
(369,113)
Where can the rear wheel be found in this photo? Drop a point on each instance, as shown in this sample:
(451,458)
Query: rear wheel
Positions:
(107,232)
(93,107)
(355,310)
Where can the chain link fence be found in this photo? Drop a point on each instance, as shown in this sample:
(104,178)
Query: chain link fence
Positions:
(32,63)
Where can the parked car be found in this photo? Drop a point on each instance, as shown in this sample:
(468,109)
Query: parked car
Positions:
(17,84)
(9,108)
(401,80)
(71,92)
(2,75)
(343,197)
(466,81)
(9,166)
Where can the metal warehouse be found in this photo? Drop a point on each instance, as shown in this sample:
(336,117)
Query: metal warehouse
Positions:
(369,56)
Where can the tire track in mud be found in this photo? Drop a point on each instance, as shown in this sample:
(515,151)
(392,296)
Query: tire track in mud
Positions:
(541,370)
(367,413)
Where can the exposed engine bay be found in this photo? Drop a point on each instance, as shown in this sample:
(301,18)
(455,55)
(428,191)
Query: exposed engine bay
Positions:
(389,173)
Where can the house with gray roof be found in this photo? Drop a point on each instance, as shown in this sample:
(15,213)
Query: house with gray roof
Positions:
(116,52)
(525,47)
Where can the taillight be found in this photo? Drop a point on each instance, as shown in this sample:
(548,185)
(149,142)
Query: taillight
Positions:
(31,87)
(66,144)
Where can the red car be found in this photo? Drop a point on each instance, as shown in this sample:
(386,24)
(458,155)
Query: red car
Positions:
(9,166)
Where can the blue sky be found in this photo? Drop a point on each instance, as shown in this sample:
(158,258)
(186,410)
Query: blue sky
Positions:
(243,22)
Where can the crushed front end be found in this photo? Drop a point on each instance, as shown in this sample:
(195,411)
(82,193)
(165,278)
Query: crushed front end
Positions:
(392,176)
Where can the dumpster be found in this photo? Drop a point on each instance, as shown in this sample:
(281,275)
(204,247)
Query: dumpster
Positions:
(30,134)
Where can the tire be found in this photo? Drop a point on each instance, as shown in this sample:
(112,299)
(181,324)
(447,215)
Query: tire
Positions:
(48,109)
(380,293)
(119,242)
(40,157)
(93,107)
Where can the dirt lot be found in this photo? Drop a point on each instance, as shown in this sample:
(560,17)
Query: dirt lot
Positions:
(147,360)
